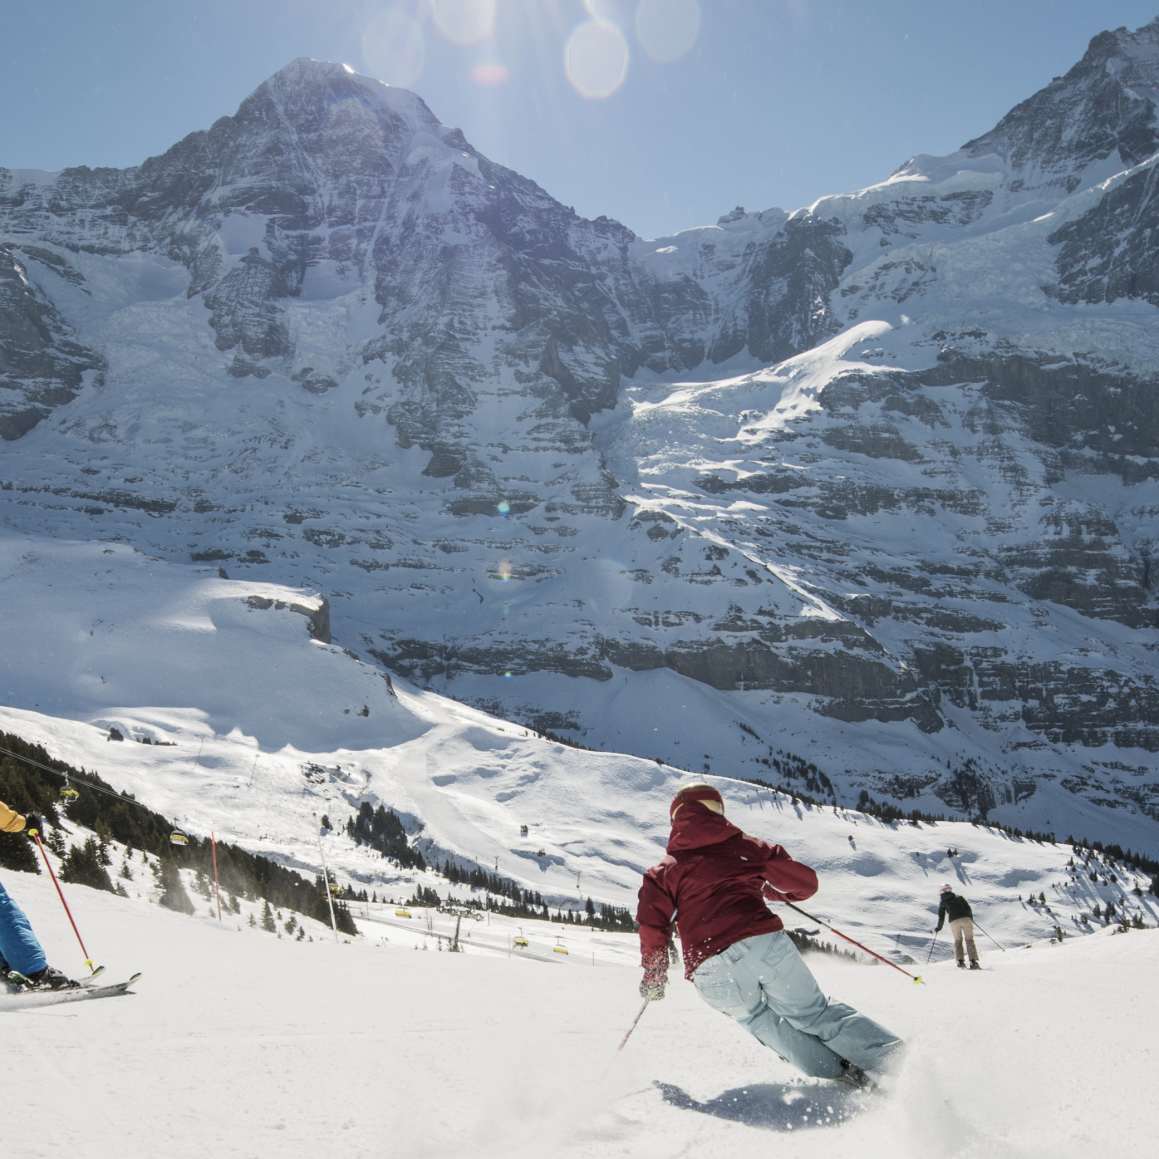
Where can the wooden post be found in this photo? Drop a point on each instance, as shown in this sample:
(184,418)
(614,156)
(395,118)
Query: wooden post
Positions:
(216,881)
(326,883)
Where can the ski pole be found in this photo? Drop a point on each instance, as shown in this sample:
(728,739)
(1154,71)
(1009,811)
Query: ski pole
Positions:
(635,1021)
(992,938)
(60,893)
(866,949)
(933,942)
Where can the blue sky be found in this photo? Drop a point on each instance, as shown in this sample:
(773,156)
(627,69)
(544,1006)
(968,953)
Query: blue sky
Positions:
(774,102)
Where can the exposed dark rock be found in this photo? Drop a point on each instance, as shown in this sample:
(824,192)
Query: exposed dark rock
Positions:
(41,367)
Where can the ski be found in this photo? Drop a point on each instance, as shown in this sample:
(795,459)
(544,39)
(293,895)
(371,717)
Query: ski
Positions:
(15,978)
(34,999)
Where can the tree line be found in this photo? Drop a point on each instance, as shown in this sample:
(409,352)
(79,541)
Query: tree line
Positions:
(120,817)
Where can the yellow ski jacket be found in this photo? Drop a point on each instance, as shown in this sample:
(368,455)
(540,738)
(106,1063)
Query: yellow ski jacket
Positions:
(10,820)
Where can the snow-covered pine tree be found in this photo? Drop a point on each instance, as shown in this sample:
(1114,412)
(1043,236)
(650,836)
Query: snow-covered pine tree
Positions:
(82,864)
(17,852)
(173,895)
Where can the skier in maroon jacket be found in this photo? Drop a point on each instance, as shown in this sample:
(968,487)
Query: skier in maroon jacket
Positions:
(712,886)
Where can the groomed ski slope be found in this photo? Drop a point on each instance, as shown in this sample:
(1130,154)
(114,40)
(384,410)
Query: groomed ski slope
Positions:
(239,1045)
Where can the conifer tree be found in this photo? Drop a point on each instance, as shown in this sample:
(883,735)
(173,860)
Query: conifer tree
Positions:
(104,856)
(173,895)
(82,865)
(17,852)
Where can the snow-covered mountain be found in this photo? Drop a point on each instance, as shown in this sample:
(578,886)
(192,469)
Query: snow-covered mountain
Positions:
(875,482)
(239,720)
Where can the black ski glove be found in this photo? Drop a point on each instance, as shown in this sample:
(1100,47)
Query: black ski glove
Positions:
(32,824)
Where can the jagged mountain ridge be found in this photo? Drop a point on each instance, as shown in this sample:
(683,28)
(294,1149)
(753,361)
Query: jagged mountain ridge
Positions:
(329,341)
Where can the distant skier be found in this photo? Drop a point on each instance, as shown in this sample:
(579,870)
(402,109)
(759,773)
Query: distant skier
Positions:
(712,886)
(957,909)
(19,948)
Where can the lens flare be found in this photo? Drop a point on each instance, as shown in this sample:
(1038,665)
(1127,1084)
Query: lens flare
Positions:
(606,10)
(464,21)
(394,48)
(490,75)
(503,571)
(504,508)
(596,59)
(667,29)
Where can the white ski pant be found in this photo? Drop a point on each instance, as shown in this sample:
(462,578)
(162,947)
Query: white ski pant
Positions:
(763,984)
(963,931)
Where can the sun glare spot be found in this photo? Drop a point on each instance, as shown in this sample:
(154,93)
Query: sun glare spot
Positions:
(667,29)
(606,10)
(503,571)
(596,59)
(504,508)
(491,74)
(394,48)
(464,21)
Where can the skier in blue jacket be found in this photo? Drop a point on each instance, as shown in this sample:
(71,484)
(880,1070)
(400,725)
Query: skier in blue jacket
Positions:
(20,949)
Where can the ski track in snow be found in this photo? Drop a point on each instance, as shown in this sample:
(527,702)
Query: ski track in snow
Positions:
(244,1045)
(240,1045)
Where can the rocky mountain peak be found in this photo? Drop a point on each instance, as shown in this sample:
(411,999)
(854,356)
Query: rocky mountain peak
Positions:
(305,90)
(1103,110)
(862,464)
(313,125)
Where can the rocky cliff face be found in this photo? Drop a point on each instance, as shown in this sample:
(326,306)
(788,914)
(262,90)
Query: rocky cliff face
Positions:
(329,342)
(1101,111)
(41,367)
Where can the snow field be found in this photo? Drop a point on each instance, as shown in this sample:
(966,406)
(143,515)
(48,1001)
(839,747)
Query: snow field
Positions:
(239,1045)
(265,735)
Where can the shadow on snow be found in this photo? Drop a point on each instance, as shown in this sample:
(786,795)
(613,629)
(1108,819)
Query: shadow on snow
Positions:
(772,1106)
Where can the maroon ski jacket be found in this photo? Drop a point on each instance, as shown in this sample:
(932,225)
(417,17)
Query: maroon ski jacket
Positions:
(712,885)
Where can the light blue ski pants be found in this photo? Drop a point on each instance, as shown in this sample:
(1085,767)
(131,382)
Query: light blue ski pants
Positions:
(18,945)
(763,983)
